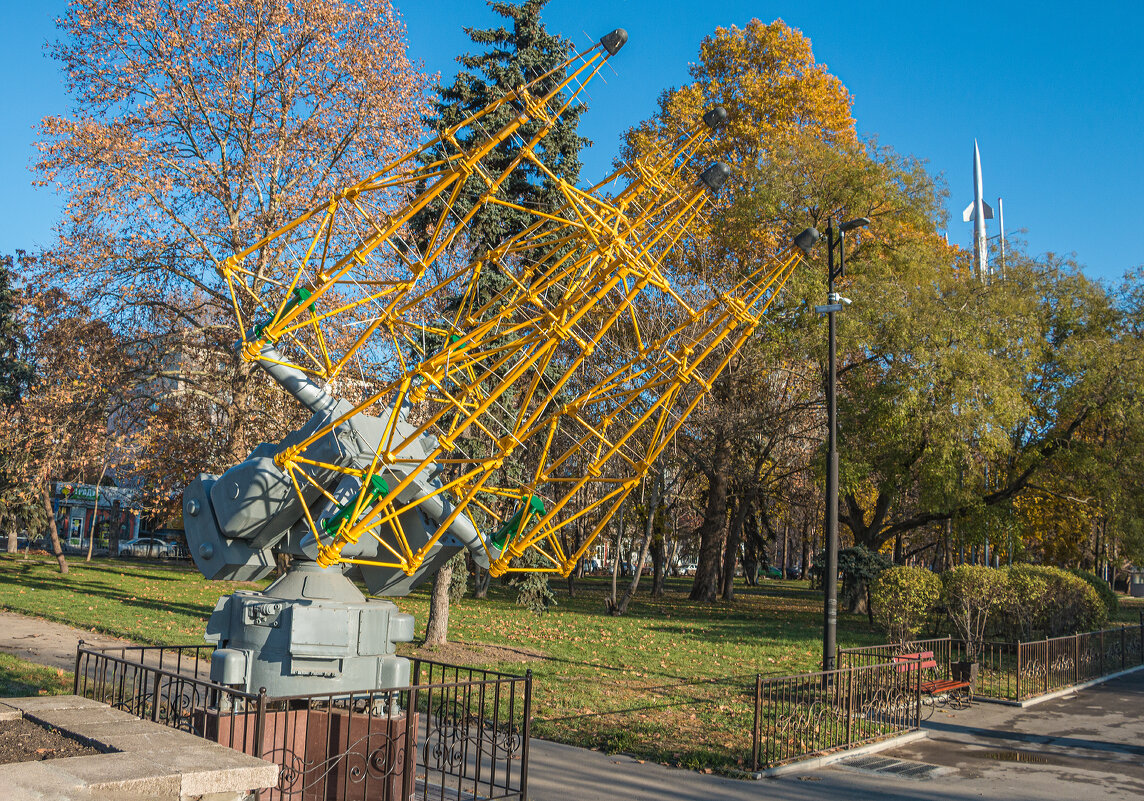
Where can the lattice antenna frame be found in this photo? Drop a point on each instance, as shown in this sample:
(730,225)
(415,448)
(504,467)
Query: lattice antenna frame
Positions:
(352,251)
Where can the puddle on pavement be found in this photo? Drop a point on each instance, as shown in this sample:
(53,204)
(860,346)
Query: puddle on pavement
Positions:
(1016,756)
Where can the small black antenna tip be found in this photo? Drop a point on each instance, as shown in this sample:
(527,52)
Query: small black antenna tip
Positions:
(614,41)
(715,117)
(715,176)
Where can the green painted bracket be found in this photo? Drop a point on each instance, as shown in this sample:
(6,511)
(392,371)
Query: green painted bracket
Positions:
(377,489)
(300,296)
(533,506)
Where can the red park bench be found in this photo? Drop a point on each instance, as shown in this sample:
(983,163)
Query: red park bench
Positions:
(940,691)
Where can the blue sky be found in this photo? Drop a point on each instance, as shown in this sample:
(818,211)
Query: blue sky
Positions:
(1053,92)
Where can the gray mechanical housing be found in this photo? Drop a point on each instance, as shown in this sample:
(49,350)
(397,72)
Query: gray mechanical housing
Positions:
(312,631)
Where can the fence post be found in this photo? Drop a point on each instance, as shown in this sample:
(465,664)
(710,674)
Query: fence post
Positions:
(527,731)
(155,696)
(1018,698)
(1045,662)
(260,722)
(411,719)
(1076,659)
(756,729)
(1102,652)
(75,679)
(849,704)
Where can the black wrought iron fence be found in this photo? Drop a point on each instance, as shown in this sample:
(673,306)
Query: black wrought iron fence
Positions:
(454,733)
(1054,664)
(1009,671)
(814,713)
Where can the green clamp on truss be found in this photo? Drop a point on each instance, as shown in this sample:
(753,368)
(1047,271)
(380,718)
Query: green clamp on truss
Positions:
(533,507)
(377,489)
(300,296)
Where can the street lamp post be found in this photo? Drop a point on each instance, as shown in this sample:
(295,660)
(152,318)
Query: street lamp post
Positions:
(834,304)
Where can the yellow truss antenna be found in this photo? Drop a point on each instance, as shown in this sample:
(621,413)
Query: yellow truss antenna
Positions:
(562,408)
(558,255)
(353,252)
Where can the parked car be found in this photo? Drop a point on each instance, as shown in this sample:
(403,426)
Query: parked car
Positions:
(688,569)
(148,548)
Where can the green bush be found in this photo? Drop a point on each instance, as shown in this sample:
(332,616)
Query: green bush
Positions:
(1024,614)
(1050,602)
(902,598)
(1072,605)
(972,595)
(1107,596)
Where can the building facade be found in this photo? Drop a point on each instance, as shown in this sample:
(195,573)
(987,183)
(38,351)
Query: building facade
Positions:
(110,514)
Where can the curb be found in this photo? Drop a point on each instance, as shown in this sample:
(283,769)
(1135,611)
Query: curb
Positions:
(815,763)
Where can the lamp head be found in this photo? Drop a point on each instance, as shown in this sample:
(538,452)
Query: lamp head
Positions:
(857,222)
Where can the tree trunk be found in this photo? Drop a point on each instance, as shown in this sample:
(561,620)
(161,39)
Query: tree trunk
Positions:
(437,627)
(705,586)
(620,607)
(95,513)
(658,565)
(610,601)
(239,411)
(481,580)
(805,567)
(13,543)
(731,552)
(52,532)
(786,548)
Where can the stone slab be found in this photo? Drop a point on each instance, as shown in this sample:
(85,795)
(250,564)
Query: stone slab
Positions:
(43,703)
(146,760)
(39,781)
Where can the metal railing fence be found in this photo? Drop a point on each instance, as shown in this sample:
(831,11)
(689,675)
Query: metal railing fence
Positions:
(455,732)
(1048,665)
(813,713)
(1019,671)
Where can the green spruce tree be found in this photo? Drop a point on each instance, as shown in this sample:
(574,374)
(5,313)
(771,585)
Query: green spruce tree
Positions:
(515,53)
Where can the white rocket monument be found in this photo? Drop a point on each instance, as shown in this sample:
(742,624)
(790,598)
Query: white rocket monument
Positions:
(978,211)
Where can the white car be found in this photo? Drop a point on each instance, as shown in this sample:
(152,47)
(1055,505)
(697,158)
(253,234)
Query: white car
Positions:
(148,548)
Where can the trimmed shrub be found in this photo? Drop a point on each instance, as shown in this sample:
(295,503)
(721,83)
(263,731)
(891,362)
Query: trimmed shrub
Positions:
(1107,596)
(1072,605)
(1050,602)
(1024,614)
(972,595)
(902,598)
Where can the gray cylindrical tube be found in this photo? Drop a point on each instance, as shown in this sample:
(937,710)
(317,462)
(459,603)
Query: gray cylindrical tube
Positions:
(301,386)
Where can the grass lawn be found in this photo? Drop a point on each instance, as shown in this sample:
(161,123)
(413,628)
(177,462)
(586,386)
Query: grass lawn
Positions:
(19,678)
(672,681)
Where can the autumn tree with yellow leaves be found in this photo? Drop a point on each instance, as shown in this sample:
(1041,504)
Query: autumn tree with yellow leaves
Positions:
(198,128)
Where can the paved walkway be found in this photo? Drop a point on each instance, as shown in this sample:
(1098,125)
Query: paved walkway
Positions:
(1088,745)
